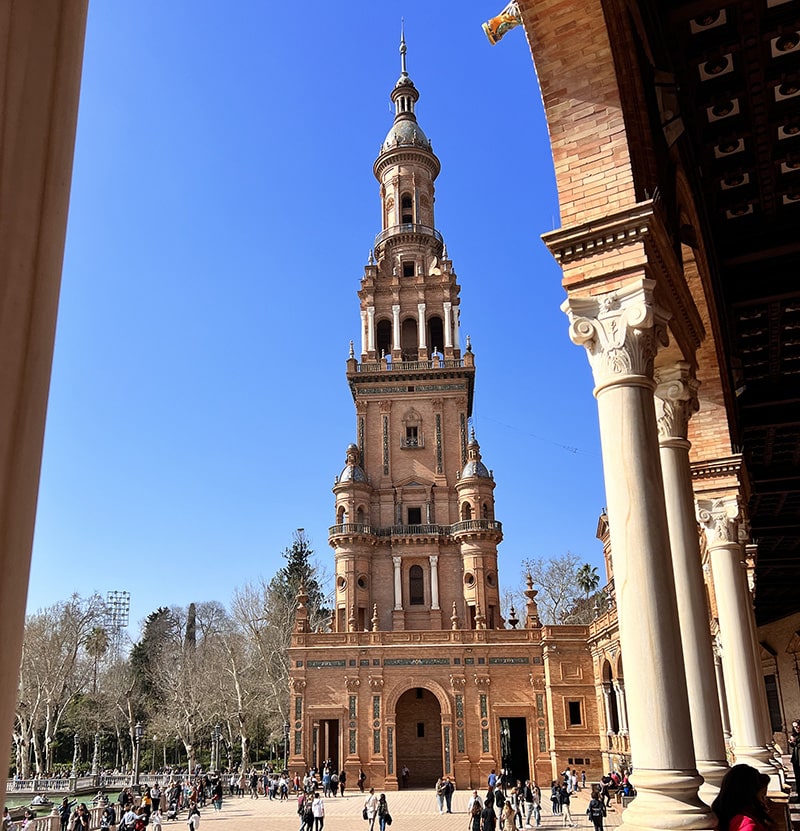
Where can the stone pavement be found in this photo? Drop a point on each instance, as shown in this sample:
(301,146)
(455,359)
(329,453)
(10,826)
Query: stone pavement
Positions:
(411,809)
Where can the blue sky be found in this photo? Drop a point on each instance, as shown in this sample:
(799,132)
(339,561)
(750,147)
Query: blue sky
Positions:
(223,207)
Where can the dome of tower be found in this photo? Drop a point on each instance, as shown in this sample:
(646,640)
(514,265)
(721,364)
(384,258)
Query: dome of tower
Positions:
(405,133)
(353,472)
(474,465)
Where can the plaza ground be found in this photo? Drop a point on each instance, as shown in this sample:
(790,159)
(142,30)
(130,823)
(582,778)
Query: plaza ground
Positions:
(415,809)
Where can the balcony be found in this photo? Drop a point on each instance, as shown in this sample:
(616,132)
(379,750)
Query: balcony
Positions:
(412,442)
(469,526)
(410,366)
(406,229)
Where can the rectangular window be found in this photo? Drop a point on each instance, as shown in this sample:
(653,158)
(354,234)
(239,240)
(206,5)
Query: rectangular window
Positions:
(412,436)
(408,268)
(774,703)
(415,516)
(420,729)
(574,713)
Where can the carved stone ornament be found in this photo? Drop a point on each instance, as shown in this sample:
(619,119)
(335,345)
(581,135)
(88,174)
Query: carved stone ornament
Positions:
(457,682)
(385,406)
(621,331)
(298,684)
(376,683)
(676,400)
(352,684)
(482,681)
(719,518)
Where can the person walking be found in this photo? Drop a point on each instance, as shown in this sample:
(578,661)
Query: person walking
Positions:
(488,817)
(563,798)
(371,808)
(596,810)
(554,798)
(384,817)
(475,808)
(449,787)
(318,809)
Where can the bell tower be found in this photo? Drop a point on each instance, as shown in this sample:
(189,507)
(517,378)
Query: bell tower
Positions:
(415,536)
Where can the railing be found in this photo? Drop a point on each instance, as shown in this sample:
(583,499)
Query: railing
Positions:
(82,784)
(409,366)
(416,530)
(412,442)
(407,228)
(477,525)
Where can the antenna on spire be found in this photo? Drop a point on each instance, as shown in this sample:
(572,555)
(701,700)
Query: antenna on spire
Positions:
(403,70)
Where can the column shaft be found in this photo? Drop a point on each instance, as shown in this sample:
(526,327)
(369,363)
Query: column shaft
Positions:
(396,328)
(742,674)
(421,325)
(448,325)
(398,585)
(370,328)
(434,561)
(675,401)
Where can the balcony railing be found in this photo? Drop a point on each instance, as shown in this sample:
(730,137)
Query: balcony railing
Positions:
(416,530)
(409,366)
(477,525)
(407,228)
(412,442)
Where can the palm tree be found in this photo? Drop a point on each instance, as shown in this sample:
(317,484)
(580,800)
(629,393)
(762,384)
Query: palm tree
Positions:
(588,579)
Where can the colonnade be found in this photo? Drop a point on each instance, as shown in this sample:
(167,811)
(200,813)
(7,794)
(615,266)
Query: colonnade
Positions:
(450,328)
(673,713)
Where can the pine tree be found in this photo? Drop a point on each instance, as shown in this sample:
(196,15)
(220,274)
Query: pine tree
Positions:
(299,571)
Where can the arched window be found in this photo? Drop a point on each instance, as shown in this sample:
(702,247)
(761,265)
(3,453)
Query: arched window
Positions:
(341,515)
(360,515)
(435,334)
(416,586)
(466,511)
(485,510)
(409,342)
(383,338)
(406,209)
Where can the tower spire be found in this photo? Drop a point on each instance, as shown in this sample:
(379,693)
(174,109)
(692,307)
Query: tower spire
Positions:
(403,70)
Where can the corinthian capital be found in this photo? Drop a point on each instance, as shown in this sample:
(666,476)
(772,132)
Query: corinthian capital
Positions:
(720,519)
(621,330)
(675,399)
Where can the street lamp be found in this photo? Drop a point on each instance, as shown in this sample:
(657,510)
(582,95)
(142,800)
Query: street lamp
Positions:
(215,749)
(286,745)
(75,751)
(138,732)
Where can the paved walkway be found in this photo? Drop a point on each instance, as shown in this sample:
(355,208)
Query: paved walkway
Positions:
(412,809)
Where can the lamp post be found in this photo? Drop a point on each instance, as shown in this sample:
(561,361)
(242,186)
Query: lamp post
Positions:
(286,745)
(76,746)
(138,732)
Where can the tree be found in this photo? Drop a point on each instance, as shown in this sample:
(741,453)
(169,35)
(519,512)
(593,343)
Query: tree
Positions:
(588,579)
(556,580)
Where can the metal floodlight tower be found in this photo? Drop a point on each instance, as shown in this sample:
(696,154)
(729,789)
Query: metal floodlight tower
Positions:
(118,610)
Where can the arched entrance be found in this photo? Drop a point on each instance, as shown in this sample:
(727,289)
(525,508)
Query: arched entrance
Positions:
(418,722)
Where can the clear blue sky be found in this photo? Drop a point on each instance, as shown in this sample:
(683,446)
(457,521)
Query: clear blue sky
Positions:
(223,206)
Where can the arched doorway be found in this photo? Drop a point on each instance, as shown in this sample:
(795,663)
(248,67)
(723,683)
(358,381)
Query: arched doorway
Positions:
(409,341)
(418,722)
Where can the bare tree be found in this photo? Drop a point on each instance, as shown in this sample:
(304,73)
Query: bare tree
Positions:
(556,580)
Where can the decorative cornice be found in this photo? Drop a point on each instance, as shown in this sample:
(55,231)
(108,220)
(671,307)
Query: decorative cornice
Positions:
(718,468)
(578,242)
(352,684)
(621,330)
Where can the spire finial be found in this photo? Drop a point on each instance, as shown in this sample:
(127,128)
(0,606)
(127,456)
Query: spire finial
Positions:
(403,70)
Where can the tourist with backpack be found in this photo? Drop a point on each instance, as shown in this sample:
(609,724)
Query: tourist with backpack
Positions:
(596,810)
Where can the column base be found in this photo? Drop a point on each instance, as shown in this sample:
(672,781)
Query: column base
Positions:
(668,800)
(712,772)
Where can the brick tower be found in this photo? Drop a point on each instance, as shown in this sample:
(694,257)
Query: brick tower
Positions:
(418,669)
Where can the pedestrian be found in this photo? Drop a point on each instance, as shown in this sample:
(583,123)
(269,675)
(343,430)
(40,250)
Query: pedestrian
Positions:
(741,804)
(488,818)
(507,816)
(371,808)
(475,808)
(342,781)
(193,820)
(64,813)
(404,774)
(439,787)
(554,798)
(362,777)
(563,798)
(155,819)
(384,817)
(596,810)
(318,809)
(449,787)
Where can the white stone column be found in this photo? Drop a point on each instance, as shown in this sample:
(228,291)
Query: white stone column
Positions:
(622,712)
(607,707)
(396,328)
(723,699)
(421,325)
(622,331)
(398,585)
(719,519)
(434,561)
(448,325)
(364,332)
(370,328)
(456,324)
(676,400)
